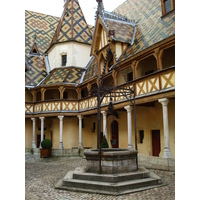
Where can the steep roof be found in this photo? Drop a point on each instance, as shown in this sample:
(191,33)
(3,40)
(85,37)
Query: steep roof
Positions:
(42,26)
(72,25)
(91,69)
(151,26)
(64,75)
(123,31)
(36,70)
(122,27)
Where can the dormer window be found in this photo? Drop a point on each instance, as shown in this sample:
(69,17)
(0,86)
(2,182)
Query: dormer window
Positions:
(64,60)
(34,49)
(167,6)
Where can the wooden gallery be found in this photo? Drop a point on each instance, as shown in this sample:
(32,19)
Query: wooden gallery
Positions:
(132,47)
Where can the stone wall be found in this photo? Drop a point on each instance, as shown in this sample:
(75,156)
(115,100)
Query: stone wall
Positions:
(153,162)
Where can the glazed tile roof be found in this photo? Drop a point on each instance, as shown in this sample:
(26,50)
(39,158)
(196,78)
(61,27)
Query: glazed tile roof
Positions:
(36,70)
(151,26)
(63,75)
(45,28)
(92,69)
(72,25)
(123,32)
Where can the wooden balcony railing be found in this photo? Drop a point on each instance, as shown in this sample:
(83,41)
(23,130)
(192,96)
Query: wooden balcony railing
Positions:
(150,84)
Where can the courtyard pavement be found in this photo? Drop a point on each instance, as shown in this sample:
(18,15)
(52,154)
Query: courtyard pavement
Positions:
(42,174)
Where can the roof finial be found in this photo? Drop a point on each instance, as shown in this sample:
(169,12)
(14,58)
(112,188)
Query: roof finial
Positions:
(100,8)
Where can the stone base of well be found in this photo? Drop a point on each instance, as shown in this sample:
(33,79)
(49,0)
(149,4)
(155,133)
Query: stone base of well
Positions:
(112,160)
(120,174)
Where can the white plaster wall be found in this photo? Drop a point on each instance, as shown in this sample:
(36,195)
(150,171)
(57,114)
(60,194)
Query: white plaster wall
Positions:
(78,55)
(118,49)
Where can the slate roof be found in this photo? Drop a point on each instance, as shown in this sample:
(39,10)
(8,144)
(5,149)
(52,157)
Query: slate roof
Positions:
(72,25)
(45,28)
(63,75)
(151,26)
(36,70)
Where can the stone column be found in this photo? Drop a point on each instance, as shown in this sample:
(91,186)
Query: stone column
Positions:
(80,146)
(129,124)
(42,130)
(104,123)
(61,132)
(33,142)
(167,152)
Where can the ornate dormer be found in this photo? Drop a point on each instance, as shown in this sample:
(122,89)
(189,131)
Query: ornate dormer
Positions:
(34,50)
(112,34)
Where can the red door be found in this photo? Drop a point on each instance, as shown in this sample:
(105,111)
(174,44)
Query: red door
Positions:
(114,139)
(156,142)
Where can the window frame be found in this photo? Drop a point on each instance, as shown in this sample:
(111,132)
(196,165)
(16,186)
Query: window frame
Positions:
(62,63)
(172,2)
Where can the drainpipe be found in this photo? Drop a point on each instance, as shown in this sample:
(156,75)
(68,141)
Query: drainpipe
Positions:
(132,41)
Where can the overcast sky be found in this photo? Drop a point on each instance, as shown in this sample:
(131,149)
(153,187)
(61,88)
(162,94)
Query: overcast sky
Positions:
(55,7)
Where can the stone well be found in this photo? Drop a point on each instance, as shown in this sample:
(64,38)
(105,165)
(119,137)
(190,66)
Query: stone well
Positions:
(113,161)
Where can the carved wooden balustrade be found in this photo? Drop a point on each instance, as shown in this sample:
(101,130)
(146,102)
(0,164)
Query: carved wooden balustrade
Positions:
(160,81)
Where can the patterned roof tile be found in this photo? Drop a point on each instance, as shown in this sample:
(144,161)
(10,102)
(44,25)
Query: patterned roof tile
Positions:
(45,27)
(123,32)
(63,75)
(92,69)
(151,26)
(36,70)
(72,25)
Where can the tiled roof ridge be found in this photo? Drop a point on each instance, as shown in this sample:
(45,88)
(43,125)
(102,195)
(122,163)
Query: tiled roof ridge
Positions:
(116,16)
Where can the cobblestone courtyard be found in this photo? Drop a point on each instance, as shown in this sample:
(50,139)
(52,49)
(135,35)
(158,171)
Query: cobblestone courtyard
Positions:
(42,174)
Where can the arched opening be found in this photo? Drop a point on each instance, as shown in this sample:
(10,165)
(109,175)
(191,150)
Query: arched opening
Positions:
(52,94)
(84,93)
(102,63)
(110,60)
(70,94)
(38,96)
(28,96)
(168,58)
(126,76)
(108,82)
(94,89)
(146,66)
(114,133)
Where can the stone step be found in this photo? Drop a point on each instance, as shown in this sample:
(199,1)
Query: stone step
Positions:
(113,178)
(111,188)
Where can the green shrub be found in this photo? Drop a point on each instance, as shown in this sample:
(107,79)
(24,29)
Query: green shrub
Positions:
(46,144)
(104,143)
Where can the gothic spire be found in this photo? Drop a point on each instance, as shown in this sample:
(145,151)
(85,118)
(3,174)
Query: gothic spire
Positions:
(100,8)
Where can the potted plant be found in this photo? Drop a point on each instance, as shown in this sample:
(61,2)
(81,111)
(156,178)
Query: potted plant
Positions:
(46,145)
(104,143)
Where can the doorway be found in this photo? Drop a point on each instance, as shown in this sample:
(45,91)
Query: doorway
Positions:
(156,142)
(114,139)
(38,140)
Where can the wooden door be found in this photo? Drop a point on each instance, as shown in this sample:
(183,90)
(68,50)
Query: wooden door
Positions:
(114,139)
(156,142)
